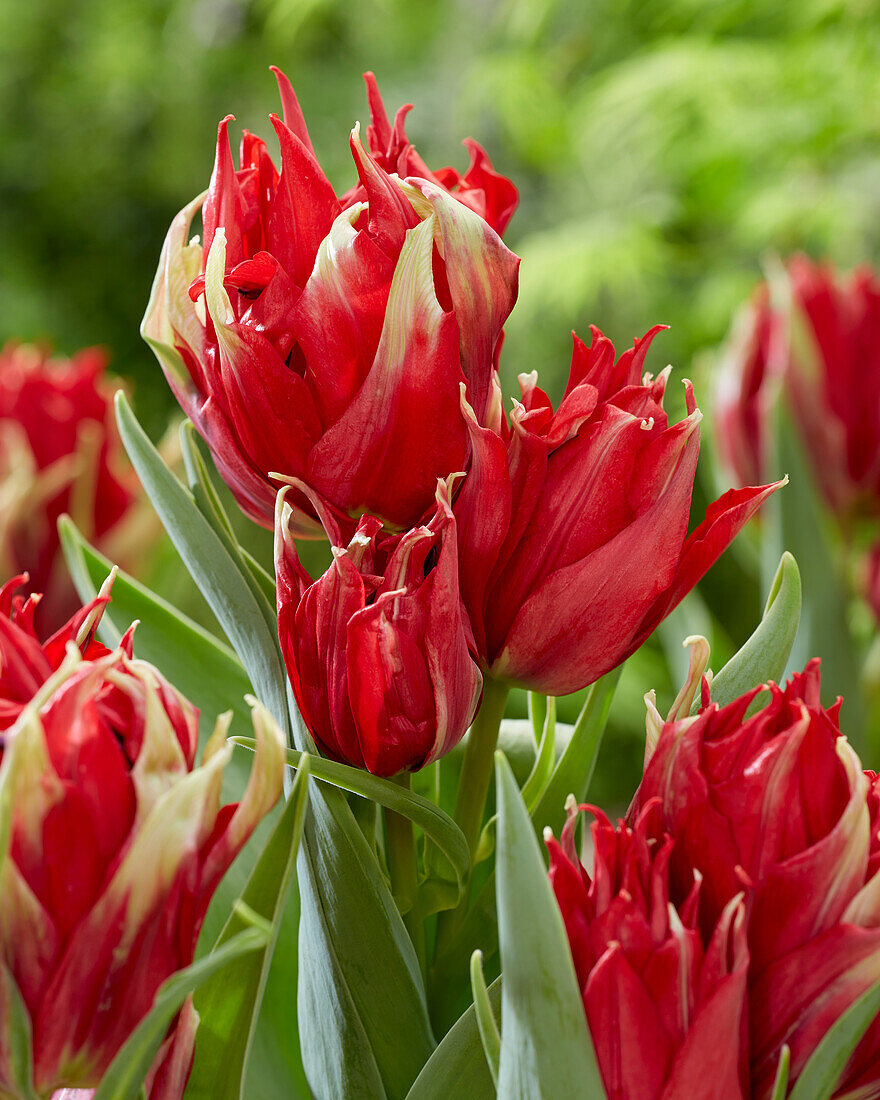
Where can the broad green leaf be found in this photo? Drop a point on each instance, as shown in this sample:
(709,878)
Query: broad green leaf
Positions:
(200,666)
(212,567)
(546,1050)
(489,1034)
(126,1072)
(780,1084)
(435,824)
(764,655)
(574,770)
(16,1037)
(818,1079)
(458,1067)
(229,1002)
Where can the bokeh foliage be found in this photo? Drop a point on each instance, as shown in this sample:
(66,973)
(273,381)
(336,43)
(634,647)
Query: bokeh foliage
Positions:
(661,149)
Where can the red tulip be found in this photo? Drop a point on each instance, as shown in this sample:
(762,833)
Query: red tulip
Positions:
(665,1004)
(114,844)
(573,524)
(776,804)
(823,343)
(58,453)
(379,649)
(325,338)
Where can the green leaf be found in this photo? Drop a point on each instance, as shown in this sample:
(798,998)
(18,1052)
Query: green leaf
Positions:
(16,1037)
(127,1071)
(212,566)
(764,655)
(229,1003)
(574,770)
(458,1067)
(201,667)
(436,825)
(780,1084)
(489,1034)
(818,1079)
(546,1050)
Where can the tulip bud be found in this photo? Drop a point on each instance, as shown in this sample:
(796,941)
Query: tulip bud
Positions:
(326,339)
(379,650)
(666,1005)
(58,453)
(112,845)
(573,524)
(777,806)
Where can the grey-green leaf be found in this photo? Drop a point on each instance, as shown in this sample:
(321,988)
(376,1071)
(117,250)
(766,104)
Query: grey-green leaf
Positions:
(546,1050)
(764,655)
(780,1084)
(489,1034)
(229,1002)
(126,1072)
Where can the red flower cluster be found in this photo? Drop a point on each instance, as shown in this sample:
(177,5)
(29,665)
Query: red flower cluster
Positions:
(112,845)
(58,453)
(765,822)
(348,348)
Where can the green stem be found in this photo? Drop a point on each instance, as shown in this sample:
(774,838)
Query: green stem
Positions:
(473,787)
(403,868)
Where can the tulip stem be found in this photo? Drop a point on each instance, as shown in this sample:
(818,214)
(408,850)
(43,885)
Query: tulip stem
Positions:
(400,853)
(479,762)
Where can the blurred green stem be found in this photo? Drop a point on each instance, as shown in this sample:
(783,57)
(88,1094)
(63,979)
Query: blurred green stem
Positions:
(404,871)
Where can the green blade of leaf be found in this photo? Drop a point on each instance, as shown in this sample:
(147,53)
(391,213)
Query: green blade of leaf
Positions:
(458,1066)
(574,770)
(764,655)
(16,1039)
(780,1084)
(489,1034)
(546,1050)
(818,1079)
(435,824)
(127,1071)
(229,1002)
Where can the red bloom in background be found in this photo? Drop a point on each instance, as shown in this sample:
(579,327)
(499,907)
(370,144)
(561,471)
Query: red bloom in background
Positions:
(573,524)
(115,846)
(326,338)
(379,650)
(58,453)
(776,804)
(823,344)
(666,1005)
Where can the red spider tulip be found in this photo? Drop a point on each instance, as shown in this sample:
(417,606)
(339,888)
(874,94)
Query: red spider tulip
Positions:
(824,345)
(573,524)
(58,453)
(665,1004)
(326,339)
(113,844)
(777,805)
(379,649)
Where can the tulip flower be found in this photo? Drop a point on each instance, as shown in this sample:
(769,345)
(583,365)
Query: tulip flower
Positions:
(326,339)
(573,524)
(666,1005)
(777,805)
(58,453)
(379,649)
(112,845)
(820,343)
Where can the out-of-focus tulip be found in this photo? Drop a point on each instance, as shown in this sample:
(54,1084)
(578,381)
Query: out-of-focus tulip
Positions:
(58,453)
(819,337)
(666,1005)
(326,339)
(379,650)
(573,524)
(777,805)
(113,844)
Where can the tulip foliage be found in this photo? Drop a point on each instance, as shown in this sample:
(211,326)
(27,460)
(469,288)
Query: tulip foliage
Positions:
(390,930)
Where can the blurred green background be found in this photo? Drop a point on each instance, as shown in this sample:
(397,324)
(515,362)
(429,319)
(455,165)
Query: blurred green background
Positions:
(660,148)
